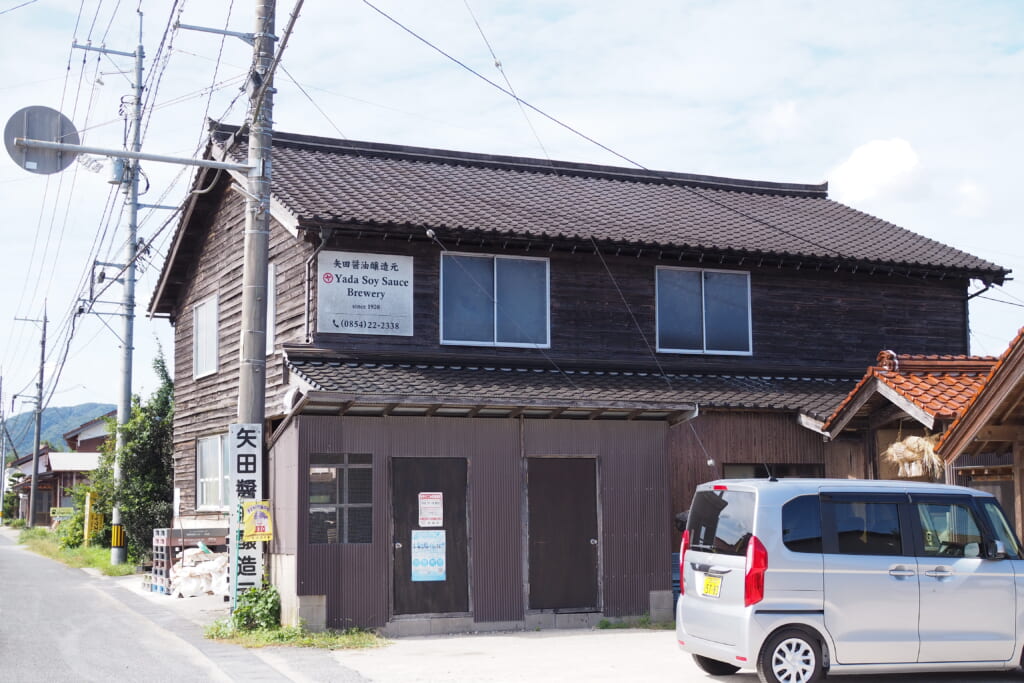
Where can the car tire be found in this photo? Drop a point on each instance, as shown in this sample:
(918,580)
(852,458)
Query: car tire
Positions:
(714,666)
(791,655)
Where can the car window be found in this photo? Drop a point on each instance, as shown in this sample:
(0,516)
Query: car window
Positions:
(801,524)
(1004,532)
(868,528)
(949,530)
(721,521)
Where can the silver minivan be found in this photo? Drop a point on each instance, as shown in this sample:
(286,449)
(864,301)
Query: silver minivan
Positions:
(801,577)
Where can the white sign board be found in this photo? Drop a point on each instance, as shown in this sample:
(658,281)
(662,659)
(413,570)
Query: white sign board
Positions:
(245,463)
(428,555)
(364,293)
(431,509)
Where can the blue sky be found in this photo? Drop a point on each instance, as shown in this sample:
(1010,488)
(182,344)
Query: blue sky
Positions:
(910,110)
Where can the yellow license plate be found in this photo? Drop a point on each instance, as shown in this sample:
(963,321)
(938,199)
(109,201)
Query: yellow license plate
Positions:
(712,586)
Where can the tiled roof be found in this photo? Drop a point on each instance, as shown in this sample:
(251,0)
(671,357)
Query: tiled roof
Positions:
(1002,382)
(519,386)
(940,386)
(323,180)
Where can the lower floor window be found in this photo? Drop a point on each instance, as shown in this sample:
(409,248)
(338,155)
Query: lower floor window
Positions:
(341,498)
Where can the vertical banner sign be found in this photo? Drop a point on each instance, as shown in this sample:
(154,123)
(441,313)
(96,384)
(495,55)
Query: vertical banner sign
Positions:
(364,293)
(428,555)
(245,463)
(431,507)
(258,524)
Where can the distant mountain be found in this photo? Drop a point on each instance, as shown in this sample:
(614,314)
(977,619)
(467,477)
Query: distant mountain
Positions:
(56,422)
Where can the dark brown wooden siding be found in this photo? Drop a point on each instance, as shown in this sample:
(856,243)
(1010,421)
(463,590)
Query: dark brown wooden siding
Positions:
(802,320)
(750,438)
(208,405)
(634,516)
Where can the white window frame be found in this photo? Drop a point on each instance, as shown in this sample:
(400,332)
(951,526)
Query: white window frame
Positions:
(494,313)
(271,307)
(205,313)
(704,351)
(222,473)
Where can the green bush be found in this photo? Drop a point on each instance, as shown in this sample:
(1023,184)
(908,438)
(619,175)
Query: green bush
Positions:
(17,524)
(257,608)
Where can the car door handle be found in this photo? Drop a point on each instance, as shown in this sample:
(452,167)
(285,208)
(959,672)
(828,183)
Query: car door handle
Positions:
(900,571)
(938,573)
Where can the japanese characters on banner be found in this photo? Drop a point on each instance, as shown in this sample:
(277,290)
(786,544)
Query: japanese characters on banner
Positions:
(428,555)
(364,293)
(431,509)
(258,525)
(245,448)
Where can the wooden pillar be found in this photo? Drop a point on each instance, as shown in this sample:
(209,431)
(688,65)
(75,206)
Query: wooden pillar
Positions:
(1018,486)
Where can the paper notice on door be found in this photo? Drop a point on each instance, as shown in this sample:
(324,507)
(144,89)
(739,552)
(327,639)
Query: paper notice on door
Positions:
(428,555)
(431,509)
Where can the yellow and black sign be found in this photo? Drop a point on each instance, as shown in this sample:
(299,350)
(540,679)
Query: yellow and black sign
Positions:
(116,535)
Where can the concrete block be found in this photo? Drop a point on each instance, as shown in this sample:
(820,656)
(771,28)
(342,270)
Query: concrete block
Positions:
(662,606)
(311,611)
(540,621)
(579,620)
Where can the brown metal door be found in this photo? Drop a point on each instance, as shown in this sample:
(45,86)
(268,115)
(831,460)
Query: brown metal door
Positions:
(427,587)
(562,496)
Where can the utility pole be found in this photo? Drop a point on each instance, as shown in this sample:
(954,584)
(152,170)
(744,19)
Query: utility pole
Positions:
(252,379)
(39,423)
(3,450)
(130,187)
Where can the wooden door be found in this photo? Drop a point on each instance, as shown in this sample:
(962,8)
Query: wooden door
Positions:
(421,584)
(563,538)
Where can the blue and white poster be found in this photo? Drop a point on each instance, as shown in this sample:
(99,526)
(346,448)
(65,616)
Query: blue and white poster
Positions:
(428,553)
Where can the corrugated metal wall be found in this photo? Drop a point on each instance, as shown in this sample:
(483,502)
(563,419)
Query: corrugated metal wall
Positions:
(634,512)
(633,501)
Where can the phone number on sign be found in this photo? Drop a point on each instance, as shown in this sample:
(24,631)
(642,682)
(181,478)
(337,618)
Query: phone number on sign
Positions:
(370,325)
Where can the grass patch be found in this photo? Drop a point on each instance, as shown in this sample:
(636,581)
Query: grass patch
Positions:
(44,542)
(643,622)
(295,636)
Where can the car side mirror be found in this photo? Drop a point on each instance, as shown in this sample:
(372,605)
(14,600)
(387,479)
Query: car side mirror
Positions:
(995,550)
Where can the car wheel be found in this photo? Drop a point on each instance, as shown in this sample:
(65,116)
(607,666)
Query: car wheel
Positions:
(790,656)
(715,667)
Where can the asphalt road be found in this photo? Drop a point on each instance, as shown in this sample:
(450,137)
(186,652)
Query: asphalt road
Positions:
(61,624)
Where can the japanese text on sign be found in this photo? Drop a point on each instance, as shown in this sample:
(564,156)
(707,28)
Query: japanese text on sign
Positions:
(431,509)
(428,555)
(364,293)
(245,449)
(258,524)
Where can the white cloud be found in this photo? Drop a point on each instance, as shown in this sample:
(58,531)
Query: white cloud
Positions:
(875,169)
(974,200)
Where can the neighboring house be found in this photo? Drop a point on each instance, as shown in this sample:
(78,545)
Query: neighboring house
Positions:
(561,351)
(986,442)
(60,471)
(91,435)
(902,406)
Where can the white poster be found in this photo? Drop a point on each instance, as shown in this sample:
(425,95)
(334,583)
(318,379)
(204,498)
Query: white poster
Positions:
(428,556)
(364,293)
(431,509)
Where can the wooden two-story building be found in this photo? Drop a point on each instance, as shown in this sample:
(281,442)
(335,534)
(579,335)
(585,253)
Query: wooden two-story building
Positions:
(491,381)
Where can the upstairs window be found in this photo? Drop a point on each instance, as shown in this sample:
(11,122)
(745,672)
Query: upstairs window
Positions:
(204,338)
(212,475)
(494,301)
(703,311)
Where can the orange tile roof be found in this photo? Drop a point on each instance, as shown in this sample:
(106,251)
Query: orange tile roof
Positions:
(940,385)
(994,370)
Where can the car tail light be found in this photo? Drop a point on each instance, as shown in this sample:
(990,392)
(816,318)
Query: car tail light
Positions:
(682,556)
(757,565)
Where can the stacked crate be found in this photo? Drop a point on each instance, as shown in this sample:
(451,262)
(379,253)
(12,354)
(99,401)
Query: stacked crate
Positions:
(163,558)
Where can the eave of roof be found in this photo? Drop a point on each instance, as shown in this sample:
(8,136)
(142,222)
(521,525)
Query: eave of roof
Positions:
(1003,391)
(357,388)
(928,388)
